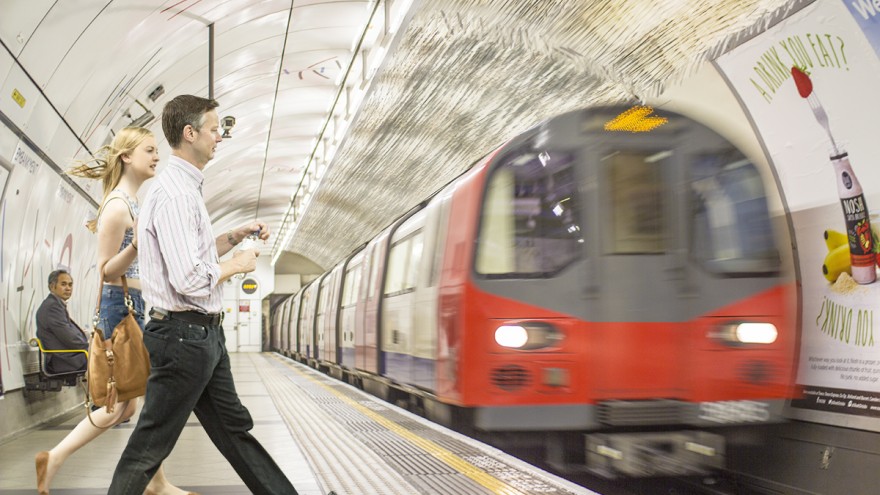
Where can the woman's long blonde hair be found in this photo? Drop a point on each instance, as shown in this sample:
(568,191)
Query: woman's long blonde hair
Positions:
(107,164)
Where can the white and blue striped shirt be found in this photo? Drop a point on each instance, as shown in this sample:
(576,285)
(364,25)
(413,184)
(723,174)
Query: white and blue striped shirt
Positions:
(180,269)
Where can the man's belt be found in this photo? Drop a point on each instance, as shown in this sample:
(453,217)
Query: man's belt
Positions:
(195,317)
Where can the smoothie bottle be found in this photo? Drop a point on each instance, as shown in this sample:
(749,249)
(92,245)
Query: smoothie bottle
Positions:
(858,223)
(249,242)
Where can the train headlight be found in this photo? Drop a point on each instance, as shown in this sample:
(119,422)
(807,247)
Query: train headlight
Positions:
(756,333)
(513,336)
(528,335)
(747,333)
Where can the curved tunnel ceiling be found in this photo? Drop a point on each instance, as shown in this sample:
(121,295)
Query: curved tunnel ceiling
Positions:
(454,80)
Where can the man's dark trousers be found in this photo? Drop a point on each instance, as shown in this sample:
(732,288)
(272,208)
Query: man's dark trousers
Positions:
(190,371)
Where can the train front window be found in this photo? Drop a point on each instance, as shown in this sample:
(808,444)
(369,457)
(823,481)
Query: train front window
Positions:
(637,204)
(732,232)
(530,224)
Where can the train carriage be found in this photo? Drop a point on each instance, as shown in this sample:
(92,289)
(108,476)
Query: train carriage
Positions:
(624,285)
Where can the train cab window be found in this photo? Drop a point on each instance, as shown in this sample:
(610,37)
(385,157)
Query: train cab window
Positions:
(530,224)
(635,182)
(732,232)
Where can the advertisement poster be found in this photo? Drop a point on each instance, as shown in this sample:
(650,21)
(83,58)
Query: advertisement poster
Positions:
(810,85)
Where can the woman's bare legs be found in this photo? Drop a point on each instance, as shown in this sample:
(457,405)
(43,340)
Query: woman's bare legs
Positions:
(85,432)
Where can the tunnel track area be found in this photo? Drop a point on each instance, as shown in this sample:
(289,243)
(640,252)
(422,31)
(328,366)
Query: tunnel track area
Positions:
(723,482)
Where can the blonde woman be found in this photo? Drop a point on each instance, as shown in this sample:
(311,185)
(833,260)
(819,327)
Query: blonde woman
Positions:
(122,166)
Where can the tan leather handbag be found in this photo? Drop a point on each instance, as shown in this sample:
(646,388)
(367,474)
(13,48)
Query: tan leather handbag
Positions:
(119,366)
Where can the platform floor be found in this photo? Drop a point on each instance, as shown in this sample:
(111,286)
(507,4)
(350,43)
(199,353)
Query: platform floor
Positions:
(325,435)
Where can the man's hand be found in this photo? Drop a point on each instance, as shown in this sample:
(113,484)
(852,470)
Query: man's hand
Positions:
(245,230)
(245,260)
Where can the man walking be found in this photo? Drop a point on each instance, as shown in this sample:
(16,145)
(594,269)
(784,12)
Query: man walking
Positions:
(181,277)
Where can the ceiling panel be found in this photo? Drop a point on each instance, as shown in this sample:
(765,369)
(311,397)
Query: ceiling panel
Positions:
(20,19)
(460,77)
(469,74)
(56,33)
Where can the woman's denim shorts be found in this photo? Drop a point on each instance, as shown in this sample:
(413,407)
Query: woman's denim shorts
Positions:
(113,308)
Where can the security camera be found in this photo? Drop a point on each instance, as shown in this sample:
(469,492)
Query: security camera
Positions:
(228,123)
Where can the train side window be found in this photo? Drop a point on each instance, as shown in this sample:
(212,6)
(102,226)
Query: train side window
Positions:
(304,303)
(395,274)
(440,242)
(530,225)
(374,272)
(415,259)
(324,295)
(403,265)
(732,231)
(352,282)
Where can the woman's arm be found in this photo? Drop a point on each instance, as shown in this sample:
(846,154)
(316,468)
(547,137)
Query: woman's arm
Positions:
(115,218)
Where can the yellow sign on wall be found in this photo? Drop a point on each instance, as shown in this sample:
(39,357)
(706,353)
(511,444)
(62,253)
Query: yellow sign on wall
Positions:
(249,286)
(18,97)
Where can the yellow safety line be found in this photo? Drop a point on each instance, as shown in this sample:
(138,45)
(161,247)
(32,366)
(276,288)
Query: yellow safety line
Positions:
(446,456)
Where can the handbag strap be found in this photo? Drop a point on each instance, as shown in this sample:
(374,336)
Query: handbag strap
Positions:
(128,303)
(88,405)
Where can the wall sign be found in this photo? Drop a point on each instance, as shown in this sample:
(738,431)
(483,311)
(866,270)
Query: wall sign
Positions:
(249,286)
(18,98)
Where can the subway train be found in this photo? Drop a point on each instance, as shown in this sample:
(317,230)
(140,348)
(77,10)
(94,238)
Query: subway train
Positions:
(609,281)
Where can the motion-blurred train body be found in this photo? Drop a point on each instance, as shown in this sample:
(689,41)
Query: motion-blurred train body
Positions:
(622,284)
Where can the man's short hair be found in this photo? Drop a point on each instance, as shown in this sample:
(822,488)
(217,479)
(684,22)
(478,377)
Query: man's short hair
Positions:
(53,277)
(184,110)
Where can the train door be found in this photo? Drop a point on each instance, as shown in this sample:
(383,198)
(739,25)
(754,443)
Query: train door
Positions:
(641,285)
(426,309)
(279,325)
(351,284)
(399,298)
(367,337)
(292,343)
(306,329)
(331,317)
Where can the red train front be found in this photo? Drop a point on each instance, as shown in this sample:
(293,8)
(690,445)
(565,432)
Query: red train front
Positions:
(625,284)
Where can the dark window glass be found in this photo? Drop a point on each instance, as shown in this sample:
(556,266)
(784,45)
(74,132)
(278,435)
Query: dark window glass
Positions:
(635,182)
(732,231)
(530,224)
